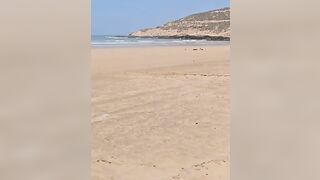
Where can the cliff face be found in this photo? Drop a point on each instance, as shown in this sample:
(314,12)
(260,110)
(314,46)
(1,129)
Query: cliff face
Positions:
(214,23)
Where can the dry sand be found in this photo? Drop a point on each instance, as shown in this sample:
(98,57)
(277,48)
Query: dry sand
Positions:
(160,113)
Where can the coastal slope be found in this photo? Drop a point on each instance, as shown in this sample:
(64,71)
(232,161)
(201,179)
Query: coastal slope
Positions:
(213,24)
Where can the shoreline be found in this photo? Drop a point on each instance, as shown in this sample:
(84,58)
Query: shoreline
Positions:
(223,43)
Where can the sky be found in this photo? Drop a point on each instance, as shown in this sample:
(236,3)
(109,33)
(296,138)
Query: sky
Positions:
(121,17)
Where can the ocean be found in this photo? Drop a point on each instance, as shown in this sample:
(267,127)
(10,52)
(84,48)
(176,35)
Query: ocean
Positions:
(103,41)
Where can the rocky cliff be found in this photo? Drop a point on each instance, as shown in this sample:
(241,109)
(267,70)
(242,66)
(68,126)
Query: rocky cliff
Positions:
(212,25)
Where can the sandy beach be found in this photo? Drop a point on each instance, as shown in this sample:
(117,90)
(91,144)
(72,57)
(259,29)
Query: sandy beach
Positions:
(160,113)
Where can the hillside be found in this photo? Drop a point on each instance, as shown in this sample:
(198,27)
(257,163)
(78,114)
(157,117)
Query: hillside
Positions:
(213,25)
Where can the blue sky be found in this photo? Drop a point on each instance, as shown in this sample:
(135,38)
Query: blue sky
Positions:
(121,17)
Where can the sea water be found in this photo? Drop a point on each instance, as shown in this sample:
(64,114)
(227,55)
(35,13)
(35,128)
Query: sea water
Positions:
(125,41)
